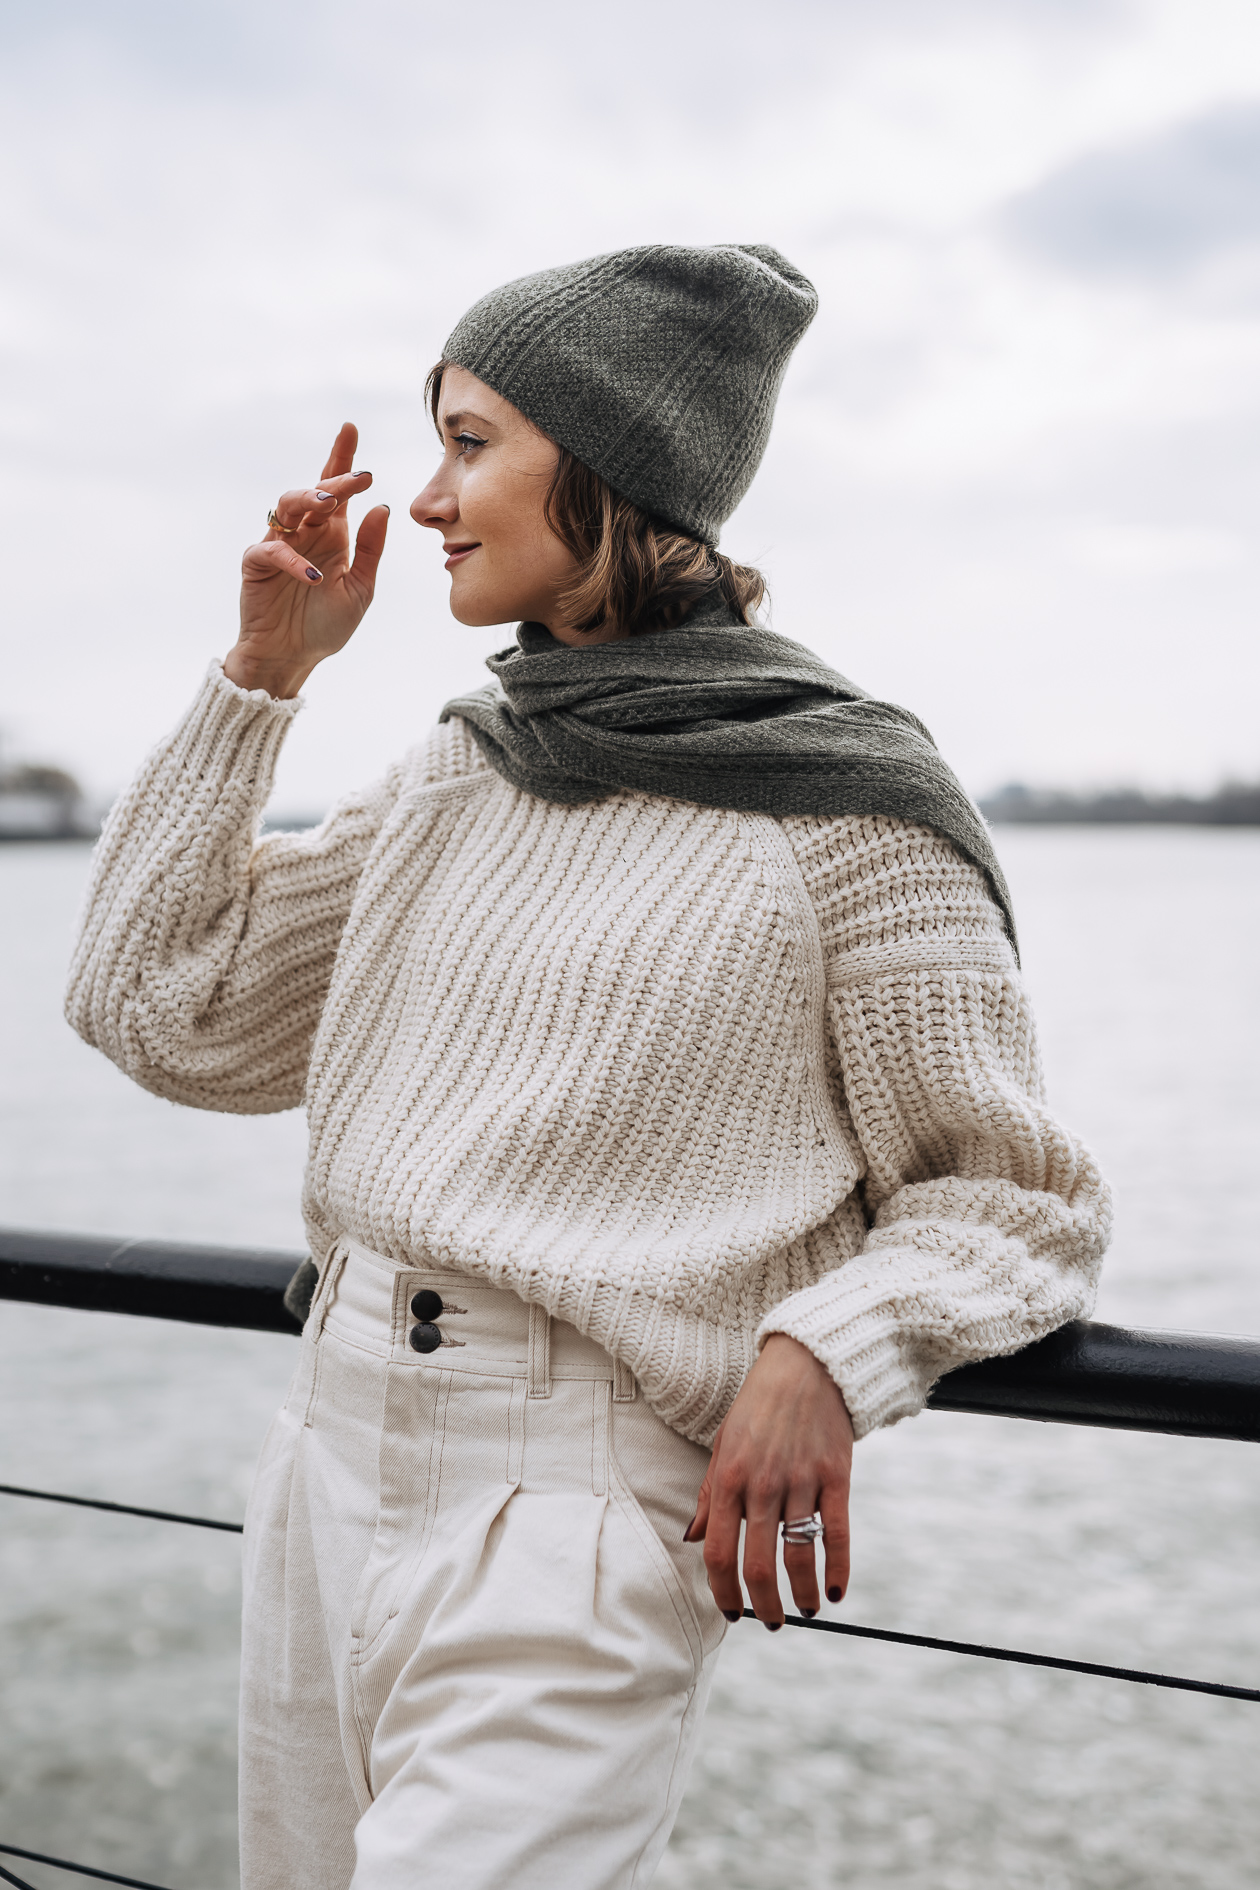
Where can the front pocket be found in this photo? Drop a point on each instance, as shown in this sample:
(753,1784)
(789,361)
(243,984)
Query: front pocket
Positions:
(409,1472)
(645,1455)
(673,1589)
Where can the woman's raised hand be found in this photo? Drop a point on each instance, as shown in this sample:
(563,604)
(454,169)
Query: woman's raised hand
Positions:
(301,597)
(784,1451)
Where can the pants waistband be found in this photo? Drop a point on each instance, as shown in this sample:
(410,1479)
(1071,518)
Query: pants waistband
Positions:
(432,1319)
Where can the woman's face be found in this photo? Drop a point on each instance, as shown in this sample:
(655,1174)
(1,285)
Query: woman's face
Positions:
(486,499)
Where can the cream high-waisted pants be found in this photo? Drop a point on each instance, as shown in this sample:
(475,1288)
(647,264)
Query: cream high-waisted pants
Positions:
(476,1650)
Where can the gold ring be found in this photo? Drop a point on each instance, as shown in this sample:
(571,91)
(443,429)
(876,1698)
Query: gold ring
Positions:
(274,525)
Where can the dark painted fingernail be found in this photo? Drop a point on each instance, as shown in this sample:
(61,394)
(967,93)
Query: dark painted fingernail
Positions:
(773,1626)
(809,1613)
(385,508)
(733,1614)
(313,574)
(835,1594)
(363,475)
(690,1526)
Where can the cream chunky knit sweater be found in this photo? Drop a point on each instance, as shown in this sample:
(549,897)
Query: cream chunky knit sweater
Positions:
(683,1076)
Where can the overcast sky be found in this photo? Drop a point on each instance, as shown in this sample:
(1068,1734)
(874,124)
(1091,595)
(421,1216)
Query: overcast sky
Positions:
(1015,472)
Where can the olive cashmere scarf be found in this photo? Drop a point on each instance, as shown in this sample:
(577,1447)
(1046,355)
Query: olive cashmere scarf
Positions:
(721,713)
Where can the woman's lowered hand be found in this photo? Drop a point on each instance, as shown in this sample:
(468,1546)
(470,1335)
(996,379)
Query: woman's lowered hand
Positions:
(784,1450)
(301,597)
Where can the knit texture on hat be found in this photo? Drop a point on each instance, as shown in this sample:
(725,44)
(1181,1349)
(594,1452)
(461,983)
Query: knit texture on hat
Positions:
(658,367)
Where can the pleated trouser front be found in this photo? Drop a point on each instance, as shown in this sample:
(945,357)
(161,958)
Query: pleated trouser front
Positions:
(476,1651)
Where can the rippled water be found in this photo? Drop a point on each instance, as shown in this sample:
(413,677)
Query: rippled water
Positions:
(824,1762)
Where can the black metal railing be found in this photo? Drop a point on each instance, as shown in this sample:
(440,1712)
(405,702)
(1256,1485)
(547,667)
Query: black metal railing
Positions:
(161,1279)
(1183,1383)
(1190,1384)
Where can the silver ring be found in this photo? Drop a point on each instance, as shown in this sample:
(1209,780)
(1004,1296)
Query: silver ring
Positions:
(803,1530)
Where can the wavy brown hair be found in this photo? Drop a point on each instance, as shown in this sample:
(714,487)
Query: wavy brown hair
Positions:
(634,570)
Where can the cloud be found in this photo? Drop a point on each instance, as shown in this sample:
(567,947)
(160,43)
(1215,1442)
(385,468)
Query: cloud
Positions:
(1159,551)
(1151,208)
(220,235)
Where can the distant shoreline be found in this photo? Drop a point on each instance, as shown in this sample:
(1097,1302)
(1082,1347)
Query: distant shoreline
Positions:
(1014,806)
(1232,806)
(14,835)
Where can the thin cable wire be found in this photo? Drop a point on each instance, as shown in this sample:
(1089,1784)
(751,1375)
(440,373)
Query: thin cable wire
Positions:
(1021,1659)
(8,1876)
(971,1648)
(82,1870)
(122,1509)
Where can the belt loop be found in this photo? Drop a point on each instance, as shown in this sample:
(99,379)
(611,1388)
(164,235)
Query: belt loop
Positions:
(328,1285)
(539,1352)
(314,1352)
(625,1390)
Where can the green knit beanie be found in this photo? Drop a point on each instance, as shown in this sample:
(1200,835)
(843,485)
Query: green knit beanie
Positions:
(657,367)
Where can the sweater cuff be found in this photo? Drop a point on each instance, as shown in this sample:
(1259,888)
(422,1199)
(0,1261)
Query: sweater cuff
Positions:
(222,687)
(215,768)
(850,1328)
(226,748)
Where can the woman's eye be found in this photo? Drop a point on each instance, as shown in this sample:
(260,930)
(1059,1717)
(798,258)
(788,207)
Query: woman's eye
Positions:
(466,441)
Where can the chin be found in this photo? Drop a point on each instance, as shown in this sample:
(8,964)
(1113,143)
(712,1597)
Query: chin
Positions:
(479,614)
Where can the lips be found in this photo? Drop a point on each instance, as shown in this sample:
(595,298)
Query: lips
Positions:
(457,553)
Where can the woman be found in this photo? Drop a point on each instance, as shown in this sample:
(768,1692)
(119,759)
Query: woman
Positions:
(671,1090)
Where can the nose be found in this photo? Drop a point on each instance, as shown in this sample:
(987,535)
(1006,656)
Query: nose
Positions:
(435,506)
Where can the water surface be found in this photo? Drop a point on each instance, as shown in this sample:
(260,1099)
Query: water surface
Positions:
(824,1762)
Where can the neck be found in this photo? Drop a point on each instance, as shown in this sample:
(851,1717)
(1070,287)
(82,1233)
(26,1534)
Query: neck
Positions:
(575,639)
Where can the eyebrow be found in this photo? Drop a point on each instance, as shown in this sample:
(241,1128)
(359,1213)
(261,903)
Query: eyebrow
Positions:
(456,419)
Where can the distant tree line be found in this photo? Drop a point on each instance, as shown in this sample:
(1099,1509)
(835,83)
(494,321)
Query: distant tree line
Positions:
(1237,804)
(42,803)
(52,784)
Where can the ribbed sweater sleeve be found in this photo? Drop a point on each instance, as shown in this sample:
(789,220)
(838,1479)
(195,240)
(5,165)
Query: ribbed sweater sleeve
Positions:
(987,1219)
(204,953)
